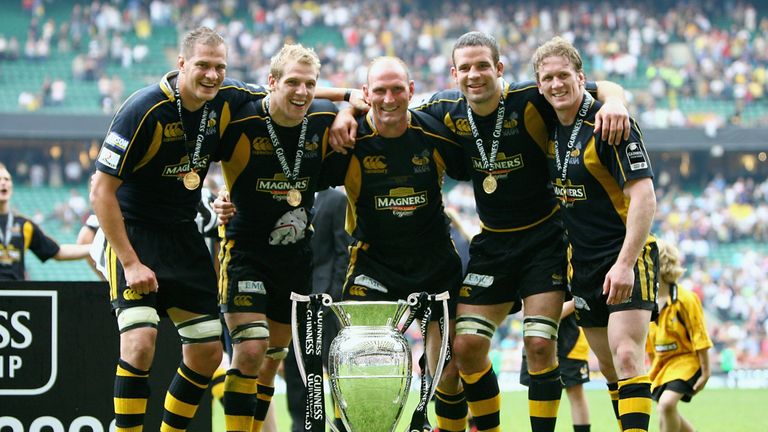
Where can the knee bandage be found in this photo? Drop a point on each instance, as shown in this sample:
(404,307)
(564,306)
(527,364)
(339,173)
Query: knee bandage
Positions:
(135,317)
(478,325)
(205,328)
(256,330)
(277,353)
(540,326)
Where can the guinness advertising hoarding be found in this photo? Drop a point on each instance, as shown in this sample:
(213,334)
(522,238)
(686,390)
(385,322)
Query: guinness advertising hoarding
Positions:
(59,348)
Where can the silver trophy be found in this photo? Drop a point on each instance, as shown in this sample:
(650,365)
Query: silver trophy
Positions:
(370,363)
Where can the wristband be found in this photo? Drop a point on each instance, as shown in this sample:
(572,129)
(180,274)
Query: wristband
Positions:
(347,95)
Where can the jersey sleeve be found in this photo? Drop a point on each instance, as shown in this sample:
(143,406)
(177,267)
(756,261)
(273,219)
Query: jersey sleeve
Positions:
(238,93)
(334,169)
(629,160)
(451,152)
(694,317)
(127,139)
(41,245)
(233,132)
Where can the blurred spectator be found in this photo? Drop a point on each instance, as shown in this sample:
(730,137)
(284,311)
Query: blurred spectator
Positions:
(29,101)
(73,172)
(58,92)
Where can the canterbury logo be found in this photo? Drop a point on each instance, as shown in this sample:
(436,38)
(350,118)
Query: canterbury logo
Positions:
(173,130)
(132,294)
(261,145)
(243,300)
(465,291)
(376,163)
(460,127)
(357,291)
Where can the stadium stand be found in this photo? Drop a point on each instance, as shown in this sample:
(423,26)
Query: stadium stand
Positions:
(684,64)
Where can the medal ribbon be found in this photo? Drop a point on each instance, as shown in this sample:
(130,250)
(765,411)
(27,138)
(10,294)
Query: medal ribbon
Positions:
(195,157)
(562,167)
(488,162)
(291,175)
(314,413)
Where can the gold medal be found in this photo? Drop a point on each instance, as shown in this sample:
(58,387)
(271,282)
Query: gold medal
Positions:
(294,197)
(489,184)
(191,180)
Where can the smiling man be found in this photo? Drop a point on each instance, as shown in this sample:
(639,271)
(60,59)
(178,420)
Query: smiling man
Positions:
(393,181)
(608,202)
(272,174)
(145,194)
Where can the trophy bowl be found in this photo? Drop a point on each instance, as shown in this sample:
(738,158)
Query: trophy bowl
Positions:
(370,365)
(369,360)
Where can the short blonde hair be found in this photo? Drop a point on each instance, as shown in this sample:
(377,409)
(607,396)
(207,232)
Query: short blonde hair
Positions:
(557,47)
(201,35)
(292,52)
(669,262)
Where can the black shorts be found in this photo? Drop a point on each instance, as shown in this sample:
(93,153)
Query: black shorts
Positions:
(182,265)
(381,275)
(510,266)
(587,288)
(683,387)
(260,280)
(572,372)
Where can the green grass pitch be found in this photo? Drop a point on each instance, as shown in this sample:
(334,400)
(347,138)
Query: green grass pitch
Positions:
(713,410)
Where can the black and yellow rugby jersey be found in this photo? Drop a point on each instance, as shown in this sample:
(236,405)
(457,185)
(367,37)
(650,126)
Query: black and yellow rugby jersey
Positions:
(394,185)
(144,147)
(523,197)
(257,185)
(25,234)
(675,336)
(594,205)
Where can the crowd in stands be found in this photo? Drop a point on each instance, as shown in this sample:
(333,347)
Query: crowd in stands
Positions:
(664,51)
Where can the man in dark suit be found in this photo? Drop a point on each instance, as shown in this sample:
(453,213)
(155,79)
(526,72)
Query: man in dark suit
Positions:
(330,252)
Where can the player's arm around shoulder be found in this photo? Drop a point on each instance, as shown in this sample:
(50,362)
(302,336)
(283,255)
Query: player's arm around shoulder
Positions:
(451,153)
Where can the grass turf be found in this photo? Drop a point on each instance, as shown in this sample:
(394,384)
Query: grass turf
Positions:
(713,410)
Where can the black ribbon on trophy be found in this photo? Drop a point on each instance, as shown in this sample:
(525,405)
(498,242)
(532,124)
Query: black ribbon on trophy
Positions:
(314,414)
(423,312)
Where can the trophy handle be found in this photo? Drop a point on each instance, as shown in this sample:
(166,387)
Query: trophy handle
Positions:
(443,298)
(296,298)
